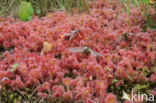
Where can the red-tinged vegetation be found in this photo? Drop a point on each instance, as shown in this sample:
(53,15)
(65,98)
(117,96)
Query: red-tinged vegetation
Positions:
(41,48)
(110,98)
(68,95)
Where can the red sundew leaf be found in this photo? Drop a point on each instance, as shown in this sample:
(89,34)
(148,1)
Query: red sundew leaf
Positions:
(90,67)
(68,95)
(17,83)
(23,69)
(9,74)
(110,98)
(35,74)
(18,57)
(5,81)
(61,89)
(88,100)
(66,81)
(52,83)
(87,92)
(57,94)
(10,59)
(122,73)
(73,83)
(78,96)
(29,82)
(58,91)
(119,83)
(51,72)
(46,85)
(98,69)
(2,74)
(101,87)
(80,82)
(6,54)
(42,95)
(31,60)
(6,44)
(153,77)
(131,71)
(153,92)
(60,75)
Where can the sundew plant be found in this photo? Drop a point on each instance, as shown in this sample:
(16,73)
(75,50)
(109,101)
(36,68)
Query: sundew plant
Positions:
(77,51)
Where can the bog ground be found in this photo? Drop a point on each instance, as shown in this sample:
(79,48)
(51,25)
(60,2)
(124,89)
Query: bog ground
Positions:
(88,57)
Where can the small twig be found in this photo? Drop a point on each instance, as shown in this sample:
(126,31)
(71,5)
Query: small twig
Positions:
(120,38)
(35,91)
(21,94)
(50,93)
(83,49)
(41,101)
(72,33)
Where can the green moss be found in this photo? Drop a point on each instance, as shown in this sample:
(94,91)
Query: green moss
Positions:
(128,87)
